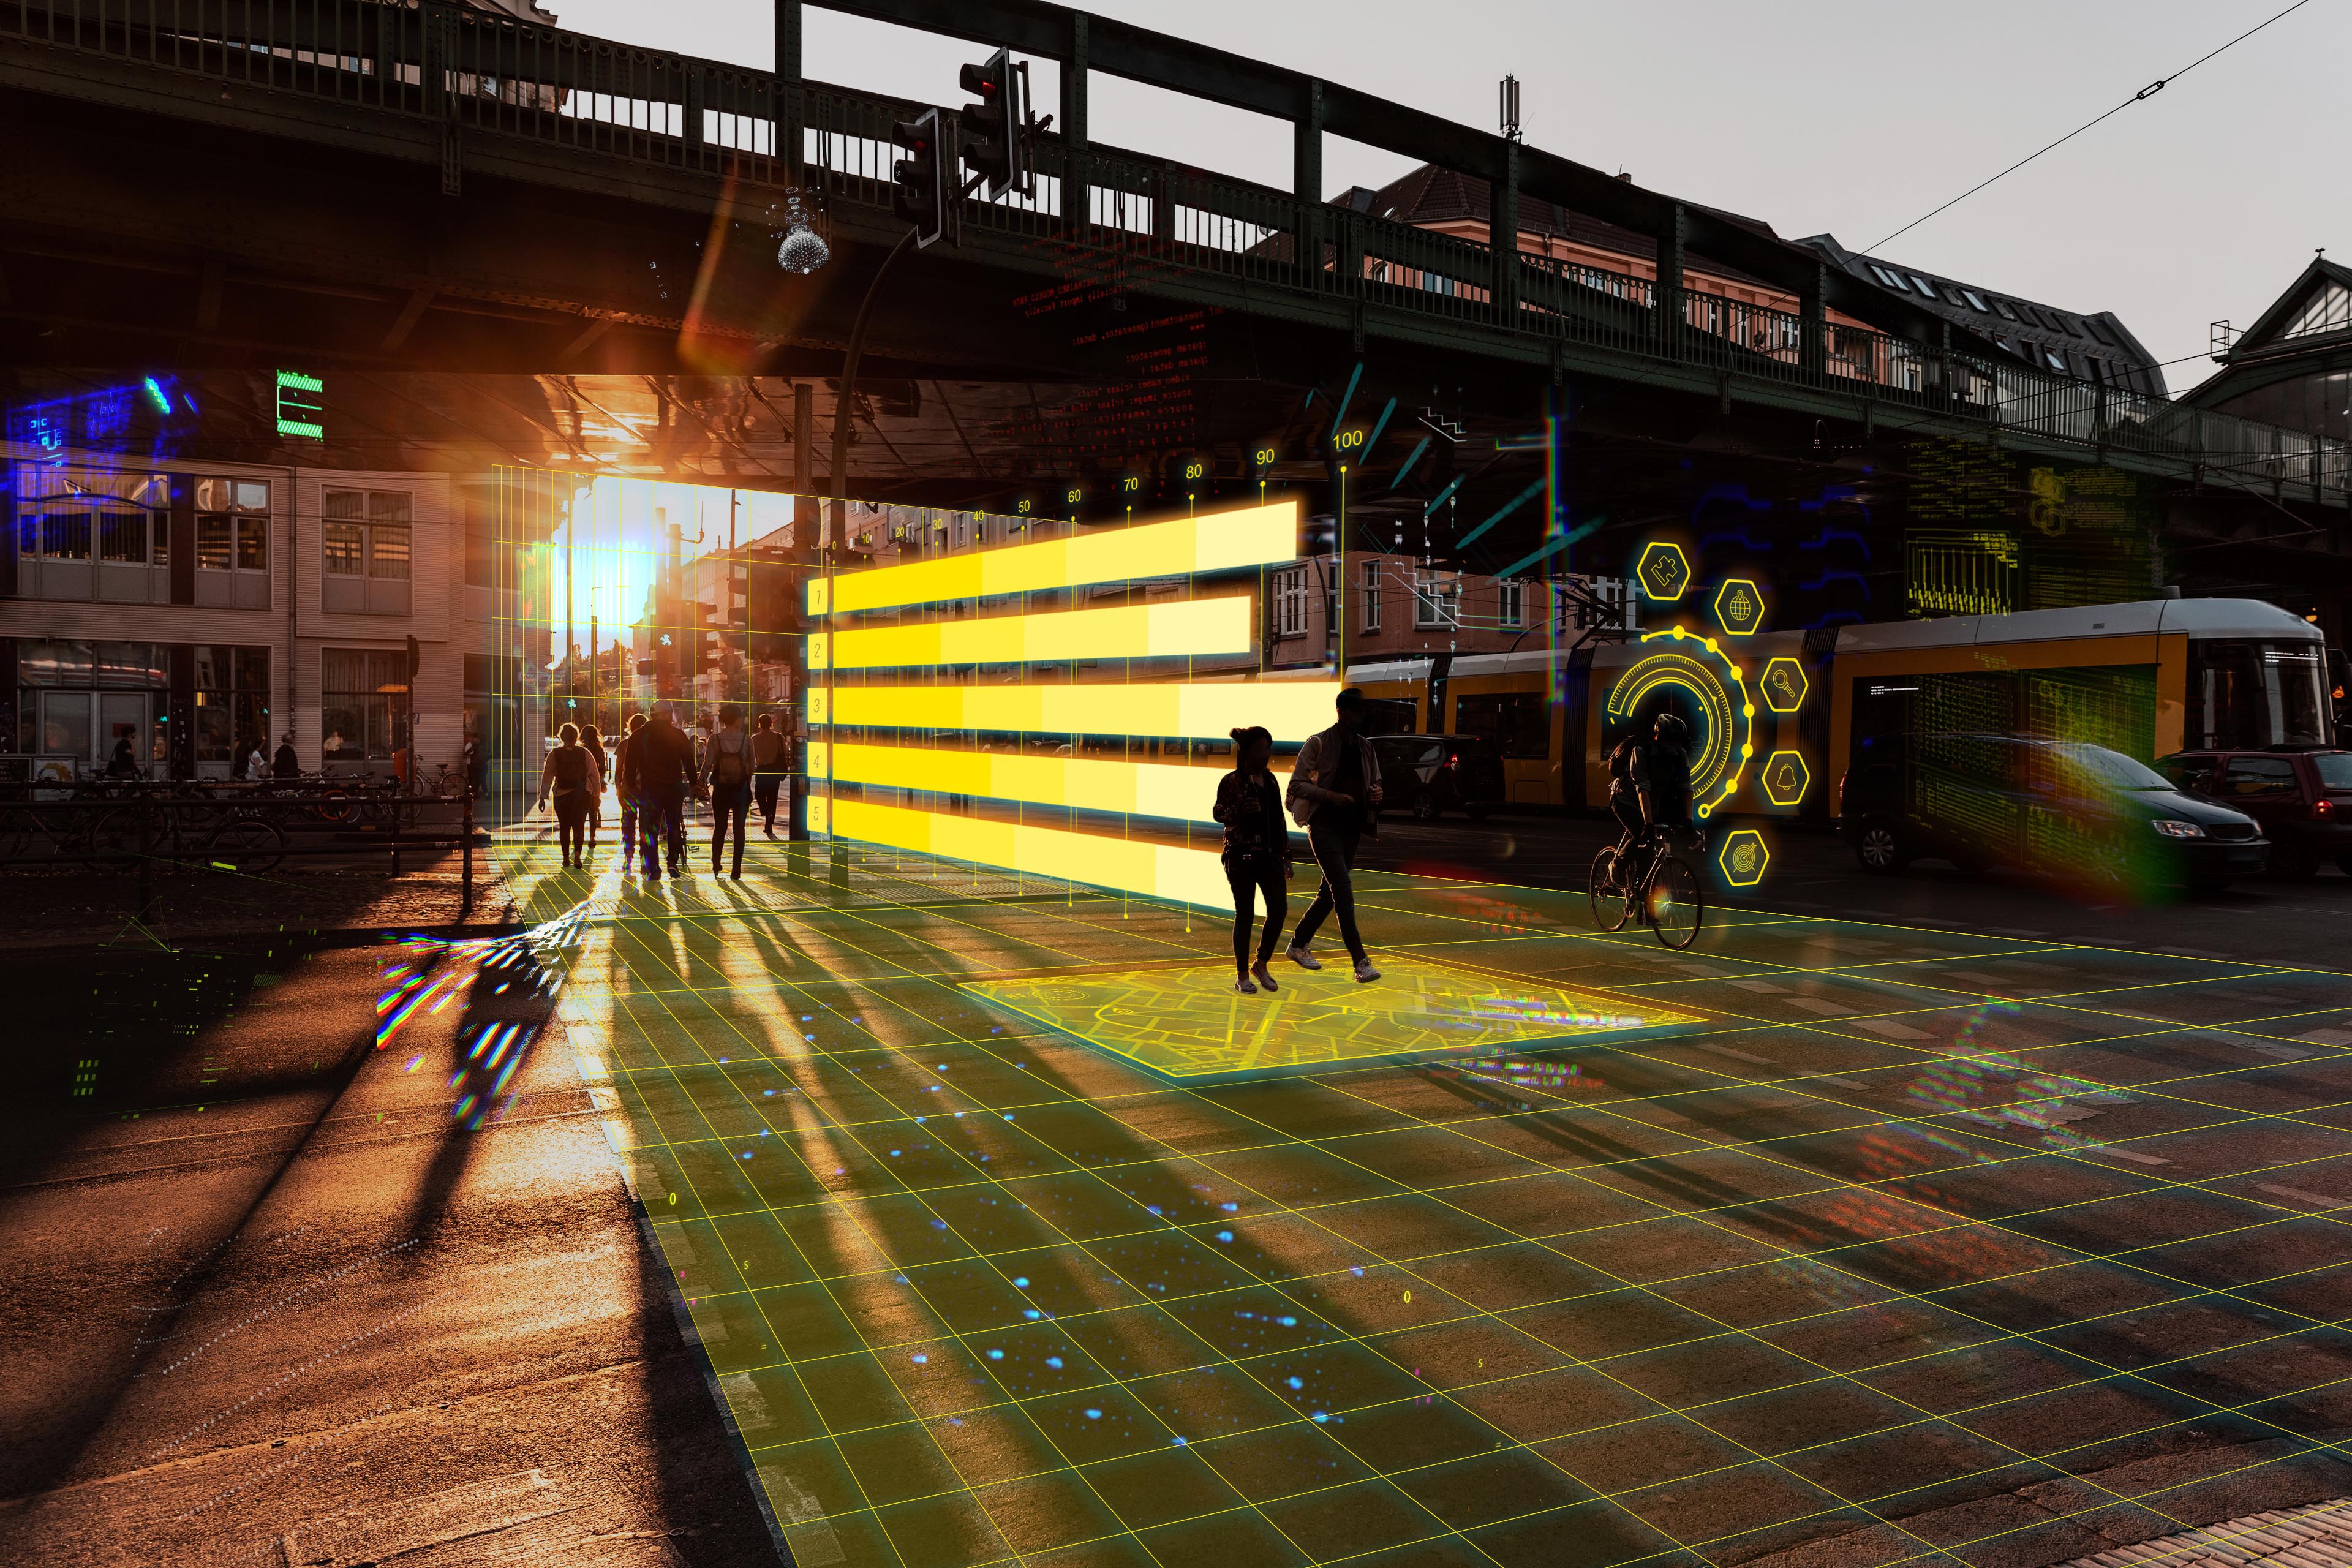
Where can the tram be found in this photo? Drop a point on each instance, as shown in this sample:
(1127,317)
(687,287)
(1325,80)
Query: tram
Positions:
(1776,716)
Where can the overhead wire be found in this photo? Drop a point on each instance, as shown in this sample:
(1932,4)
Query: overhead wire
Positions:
(2150,90)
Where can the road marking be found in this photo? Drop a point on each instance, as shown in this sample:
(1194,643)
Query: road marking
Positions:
(1888,1029)
(1736,1055)
(2300,1196)
(1761,987)
(1841,1082)
(2328,1036)
(1815,1004)
(2135,1157)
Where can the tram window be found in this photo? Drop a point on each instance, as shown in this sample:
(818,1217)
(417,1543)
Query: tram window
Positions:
(2249,695)
(1516,721)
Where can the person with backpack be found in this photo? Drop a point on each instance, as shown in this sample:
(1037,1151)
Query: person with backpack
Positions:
(768,751)
(1655,803)
(571,774)
(660,772)
(1335,793)
(727,774)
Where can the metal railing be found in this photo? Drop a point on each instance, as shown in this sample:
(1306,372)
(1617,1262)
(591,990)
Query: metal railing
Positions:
(480,75)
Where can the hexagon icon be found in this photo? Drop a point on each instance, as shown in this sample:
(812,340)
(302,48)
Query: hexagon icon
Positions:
(1664,572)
(1743,858)
(1739,607)
(1786,778)
(1784,684)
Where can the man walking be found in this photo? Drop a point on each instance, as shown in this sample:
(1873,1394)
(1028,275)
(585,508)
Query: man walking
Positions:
(768,770)
(628,792)
(1334,785)
(661,764)
(726,776)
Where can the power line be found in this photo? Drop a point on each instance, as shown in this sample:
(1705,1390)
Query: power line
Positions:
(2150,90)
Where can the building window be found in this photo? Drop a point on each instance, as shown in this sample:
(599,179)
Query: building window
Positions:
(233,525)
(1290,602)
(232,701)
(1436,600)
(363,704)
(122,538)
(1372,596)
(366,538)
(1511,604)
(65,535)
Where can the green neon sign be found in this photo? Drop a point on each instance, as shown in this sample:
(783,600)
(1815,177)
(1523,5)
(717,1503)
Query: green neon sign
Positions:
(301,407)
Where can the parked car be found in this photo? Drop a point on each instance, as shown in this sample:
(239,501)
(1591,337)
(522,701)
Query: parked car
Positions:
(2302,800)
(2064,810)
(1431,775)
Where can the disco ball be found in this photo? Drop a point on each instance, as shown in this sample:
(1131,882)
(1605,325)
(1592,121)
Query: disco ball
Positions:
(804,250)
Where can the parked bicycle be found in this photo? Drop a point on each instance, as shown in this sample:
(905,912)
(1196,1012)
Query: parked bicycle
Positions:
(1651,881)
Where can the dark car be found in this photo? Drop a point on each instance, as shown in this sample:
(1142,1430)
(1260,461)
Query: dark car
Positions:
(2302,800)
(2059,809)
(1431,774)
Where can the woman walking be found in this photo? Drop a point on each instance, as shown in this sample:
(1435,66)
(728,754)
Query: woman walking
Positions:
(571,772)
(593,745)
(1256,854)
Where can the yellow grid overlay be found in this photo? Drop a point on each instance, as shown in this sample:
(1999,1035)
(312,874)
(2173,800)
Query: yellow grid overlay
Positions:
(1835,1266)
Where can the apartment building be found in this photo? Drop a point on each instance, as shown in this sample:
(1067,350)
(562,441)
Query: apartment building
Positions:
(194,609)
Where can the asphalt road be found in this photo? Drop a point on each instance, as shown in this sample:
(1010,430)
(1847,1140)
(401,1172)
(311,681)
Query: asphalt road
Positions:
(1812,872)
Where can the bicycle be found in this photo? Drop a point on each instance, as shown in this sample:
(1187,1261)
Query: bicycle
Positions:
(1670,899)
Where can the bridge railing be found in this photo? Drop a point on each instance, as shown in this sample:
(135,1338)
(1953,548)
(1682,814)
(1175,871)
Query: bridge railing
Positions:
(476,73)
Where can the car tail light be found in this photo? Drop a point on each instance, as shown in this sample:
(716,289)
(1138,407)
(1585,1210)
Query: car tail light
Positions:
(1454,761)
(1842,778)
(2323,806)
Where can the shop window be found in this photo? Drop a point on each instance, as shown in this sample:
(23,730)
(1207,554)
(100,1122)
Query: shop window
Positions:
(232,701)
(363,704)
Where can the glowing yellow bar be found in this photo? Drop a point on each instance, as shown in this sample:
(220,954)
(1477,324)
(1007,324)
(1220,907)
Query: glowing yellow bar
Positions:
(1291,709)
(1171,790)
(1130,865)
(1119,631)
(1252,536)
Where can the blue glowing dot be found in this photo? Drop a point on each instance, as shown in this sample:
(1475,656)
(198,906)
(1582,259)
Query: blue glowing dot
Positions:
(1287,1322)
(1021,1281)
(767,1091)
(1322,1415)
(920,1120)
(1029,1312)
(1180,1442)
(938,1225)
(1360,1274)
(1151,1209)
(996,1355)
(920,1358)
(1295,1384)
(1094,1415)
(1224,1235)
(894,1154)
(1231,1208)
(1008,1116)
(747,1153)
(1054,1361)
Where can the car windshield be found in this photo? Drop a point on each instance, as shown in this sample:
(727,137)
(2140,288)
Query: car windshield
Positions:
(2111,767)
(2335,769)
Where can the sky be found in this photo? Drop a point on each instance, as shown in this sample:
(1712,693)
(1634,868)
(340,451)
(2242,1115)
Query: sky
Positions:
(1849,116)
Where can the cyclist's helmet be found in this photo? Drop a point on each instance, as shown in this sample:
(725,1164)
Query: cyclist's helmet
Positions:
(1672,730)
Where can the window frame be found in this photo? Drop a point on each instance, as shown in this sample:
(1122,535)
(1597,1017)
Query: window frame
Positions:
(1372,619)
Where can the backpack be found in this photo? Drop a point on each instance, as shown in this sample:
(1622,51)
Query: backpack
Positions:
(767,750)
(727,766)
(571,768)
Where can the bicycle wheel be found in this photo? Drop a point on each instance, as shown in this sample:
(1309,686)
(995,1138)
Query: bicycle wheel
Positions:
(1676,905)
(111,841)
(247,845)
(452,786)
(335,807)
(1609,908)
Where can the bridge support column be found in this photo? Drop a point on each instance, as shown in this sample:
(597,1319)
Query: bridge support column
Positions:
(808,562)
(1812,323)
(787,105)
(1306,184)
(1503,236)
(1077,198)
(1670,316)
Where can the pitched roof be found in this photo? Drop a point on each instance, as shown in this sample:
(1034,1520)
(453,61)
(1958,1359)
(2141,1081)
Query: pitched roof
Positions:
(2273,324)
(1430,195)
(2095,346)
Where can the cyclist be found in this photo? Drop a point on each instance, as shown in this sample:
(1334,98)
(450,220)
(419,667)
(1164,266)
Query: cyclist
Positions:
(1659,778)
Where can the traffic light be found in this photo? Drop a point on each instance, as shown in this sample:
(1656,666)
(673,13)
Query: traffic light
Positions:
(920,190)
(774,610)
(996,150)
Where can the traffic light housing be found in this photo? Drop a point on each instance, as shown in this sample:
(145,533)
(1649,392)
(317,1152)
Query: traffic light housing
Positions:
(994,148)
(920,190)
